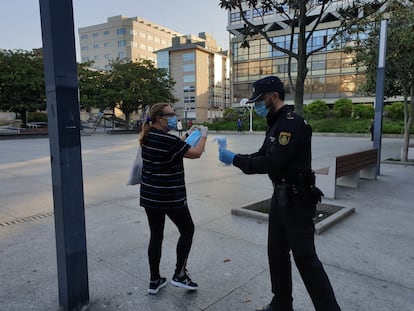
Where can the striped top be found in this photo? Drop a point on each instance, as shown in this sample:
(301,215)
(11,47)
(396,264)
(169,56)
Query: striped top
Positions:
(162,184)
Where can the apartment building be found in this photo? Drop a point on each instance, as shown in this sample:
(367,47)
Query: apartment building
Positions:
(122,37)
(201,70)
(331,72)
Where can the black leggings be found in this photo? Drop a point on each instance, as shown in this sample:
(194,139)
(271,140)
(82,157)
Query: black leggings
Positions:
(156,219)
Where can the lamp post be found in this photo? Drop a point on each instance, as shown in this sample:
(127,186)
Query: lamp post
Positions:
(250,106)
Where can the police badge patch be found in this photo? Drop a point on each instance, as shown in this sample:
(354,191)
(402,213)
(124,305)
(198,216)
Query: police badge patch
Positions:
(284,138)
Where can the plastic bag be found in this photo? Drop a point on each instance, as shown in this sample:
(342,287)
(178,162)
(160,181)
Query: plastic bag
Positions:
(136,170)
(194,138)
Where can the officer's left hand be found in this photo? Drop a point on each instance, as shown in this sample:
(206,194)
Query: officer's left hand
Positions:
(226,156)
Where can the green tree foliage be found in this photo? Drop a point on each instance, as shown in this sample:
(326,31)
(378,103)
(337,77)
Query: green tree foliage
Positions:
(301,23)
(92,88)
(363,111)
(129,86)
(399,70)
(137,85)
(22,83)
(316,110)
(343,108)
(394,111)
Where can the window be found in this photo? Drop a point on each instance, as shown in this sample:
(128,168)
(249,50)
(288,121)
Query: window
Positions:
(106,33)
(121,54)
(188,67)
(107,56)
(120,31)
(85,59)
(189,88)
(236,16)
(96,57)
(95,35)
(163,60)
(96,46)
(84,48)
(189,99)
(189,56)
(189,78)
(121,43)
(107,44)
(261,12)
(83,37)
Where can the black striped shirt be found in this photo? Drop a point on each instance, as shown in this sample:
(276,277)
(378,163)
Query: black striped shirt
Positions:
(162,184)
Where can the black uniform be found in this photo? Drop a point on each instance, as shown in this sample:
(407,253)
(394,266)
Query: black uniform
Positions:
(286,157)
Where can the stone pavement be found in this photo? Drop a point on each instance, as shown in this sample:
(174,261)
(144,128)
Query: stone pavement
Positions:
(369,256)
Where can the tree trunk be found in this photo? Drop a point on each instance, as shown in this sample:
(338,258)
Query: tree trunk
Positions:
(302,59)
(408,121)
(127,117)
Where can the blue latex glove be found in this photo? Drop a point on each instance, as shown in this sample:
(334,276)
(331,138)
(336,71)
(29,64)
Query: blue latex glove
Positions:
(226,156)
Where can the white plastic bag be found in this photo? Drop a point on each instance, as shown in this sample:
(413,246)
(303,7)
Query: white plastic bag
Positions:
(136,171)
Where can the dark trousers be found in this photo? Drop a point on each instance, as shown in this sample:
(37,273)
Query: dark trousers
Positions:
(156,219)
(291,228)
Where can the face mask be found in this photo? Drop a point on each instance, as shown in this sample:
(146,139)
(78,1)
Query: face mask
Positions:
(260,108)
(172,123)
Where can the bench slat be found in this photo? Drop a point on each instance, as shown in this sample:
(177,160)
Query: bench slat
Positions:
(353,162)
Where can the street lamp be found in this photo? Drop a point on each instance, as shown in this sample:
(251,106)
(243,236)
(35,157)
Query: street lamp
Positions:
(244,103)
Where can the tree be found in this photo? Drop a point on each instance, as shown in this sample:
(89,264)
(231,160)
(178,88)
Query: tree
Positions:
(302,18)
(399,69)
(22,83)
(92,88)
(136,85)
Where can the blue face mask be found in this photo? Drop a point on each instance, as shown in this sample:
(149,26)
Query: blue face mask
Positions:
(261,109)
(172,122)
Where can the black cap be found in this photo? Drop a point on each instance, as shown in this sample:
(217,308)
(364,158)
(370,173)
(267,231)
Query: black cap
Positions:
(266,85)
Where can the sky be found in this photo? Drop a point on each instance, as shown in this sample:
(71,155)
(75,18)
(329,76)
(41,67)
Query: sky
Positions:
(20,19)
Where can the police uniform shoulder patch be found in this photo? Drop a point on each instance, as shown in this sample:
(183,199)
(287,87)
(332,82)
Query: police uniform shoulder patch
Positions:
(290,116)
(284,138)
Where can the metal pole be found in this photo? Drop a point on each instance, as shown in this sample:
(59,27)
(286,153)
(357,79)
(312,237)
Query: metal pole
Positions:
(379,98)
(251,118)
(65,151)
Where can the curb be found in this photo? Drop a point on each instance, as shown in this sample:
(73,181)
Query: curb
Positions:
(320,227)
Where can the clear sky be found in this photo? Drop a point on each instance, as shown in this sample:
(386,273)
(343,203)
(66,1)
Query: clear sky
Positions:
(20,19)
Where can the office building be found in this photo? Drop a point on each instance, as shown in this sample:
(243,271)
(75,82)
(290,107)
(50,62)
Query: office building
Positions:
(132,38)
(201,70)
(331,73)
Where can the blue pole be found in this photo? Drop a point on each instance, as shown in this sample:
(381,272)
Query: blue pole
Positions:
(379,97)
(65,151)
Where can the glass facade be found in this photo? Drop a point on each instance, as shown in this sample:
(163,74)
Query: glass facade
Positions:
(331,73)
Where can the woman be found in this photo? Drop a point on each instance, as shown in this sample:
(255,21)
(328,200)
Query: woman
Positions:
(163,191)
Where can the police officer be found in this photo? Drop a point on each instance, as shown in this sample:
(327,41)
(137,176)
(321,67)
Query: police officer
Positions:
(286,157)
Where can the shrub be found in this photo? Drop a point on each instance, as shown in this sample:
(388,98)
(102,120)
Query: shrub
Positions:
(363,111)
(316,110)
(36,117)
(343,108)
(395,111)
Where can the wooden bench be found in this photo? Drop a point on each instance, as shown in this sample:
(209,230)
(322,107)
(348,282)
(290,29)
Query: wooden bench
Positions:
(346,170)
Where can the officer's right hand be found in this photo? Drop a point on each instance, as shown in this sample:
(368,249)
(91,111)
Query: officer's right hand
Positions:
(226,156)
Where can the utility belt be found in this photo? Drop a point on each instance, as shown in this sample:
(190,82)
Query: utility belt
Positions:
(300,185)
